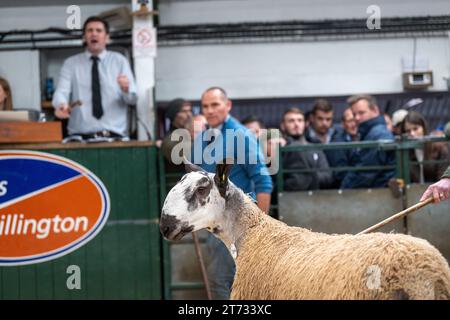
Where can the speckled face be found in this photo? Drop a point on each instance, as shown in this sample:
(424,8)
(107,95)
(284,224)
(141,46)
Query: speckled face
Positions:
(191,205)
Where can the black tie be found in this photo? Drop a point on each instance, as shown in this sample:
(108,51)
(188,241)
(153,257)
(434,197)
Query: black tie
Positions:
(97,109)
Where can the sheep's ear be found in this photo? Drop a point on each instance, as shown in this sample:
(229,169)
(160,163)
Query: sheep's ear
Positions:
(222,174)
(190,167)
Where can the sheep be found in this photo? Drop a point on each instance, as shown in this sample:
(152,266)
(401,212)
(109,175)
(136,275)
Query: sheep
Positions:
(276,261)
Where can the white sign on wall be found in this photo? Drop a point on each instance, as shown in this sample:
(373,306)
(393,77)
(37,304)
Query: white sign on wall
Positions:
(144,42)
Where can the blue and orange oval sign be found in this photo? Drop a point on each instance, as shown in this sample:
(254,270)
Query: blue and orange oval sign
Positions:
(49,206)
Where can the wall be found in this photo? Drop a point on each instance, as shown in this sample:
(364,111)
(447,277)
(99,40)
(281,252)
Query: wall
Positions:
(295,69)
(43,17)
(21,69)
(196,12)
(271,69)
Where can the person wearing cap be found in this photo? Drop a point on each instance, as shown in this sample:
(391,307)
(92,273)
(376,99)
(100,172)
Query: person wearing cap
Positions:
(95,87)
(397,119)
(179,112)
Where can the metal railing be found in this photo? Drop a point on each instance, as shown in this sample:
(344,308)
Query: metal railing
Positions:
(401,147)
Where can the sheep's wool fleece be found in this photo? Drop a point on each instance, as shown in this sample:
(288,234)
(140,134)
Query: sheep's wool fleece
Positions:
(276,261)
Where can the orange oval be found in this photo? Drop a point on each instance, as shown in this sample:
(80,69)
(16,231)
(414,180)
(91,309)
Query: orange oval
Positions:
(49,207)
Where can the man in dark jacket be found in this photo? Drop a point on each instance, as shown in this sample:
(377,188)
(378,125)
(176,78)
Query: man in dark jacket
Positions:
(343,157)
(293,127)
(371,127)
(321,130)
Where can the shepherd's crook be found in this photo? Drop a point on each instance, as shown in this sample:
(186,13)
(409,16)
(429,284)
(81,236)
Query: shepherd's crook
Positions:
(202,265)
(397,216)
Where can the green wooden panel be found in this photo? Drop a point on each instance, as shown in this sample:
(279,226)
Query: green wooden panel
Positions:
(93,273)
(111,260)
(10,283)
(27,283)
(127,274)
(124,260)
(60,278)
(146,252)
(44,280)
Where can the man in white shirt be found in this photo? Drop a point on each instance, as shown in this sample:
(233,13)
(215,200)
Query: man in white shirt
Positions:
(100,81)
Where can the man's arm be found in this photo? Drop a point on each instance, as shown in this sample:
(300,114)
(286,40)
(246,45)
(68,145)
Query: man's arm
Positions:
(439,190)
(263,201)
(259,174)
(62,93)
(127,84)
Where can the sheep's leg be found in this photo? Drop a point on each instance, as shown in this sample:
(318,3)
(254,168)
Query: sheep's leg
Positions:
(442,290)
(417,289)
(399,294)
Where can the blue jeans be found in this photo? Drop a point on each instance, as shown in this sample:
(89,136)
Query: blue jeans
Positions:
(220,268)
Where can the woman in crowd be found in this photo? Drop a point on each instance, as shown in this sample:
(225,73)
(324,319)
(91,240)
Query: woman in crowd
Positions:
(415,126)
(5,95)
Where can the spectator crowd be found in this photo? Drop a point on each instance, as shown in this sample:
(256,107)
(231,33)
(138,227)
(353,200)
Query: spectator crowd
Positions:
(313,169)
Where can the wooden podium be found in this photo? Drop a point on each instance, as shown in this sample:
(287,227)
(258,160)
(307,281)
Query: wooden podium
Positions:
(30,132)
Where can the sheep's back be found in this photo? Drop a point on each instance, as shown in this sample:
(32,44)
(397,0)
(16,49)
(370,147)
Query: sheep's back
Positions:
(281,262)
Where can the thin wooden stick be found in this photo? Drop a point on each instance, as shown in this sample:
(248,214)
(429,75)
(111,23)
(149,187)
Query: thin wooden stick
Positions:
(397,216)
(202,265)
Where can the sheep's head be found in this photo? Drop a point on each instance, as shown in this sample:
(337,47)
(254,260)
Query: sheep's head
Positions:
(196,202)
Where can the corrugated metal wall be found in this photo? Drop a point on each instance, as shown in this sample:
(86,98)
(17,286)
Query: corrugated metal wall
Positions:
(124,260)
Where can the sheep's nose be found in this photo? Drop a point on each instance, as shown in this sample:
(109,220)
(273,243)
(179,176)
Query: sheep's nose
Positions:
(165,231)
(167,224)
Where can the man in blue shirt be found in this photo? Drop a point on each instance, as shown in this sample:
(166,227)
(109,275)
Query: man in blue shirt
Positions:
(249,173)
(101,81)
(371,127)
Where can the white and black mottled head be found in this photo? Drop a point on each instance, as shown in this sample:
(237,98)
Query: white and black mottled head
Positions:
(196,202)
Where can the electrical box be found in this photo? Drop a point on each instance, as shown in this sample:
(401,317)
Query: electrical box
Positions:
(417,80)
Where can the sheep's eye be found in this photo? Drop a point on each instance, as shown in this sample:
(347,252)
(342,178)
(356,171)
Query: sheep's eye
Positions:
(201,191)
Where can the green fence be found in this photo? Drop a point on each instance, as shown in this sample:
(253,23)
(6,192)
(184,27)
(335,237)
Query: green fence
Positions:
(400,147)
(124,260)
